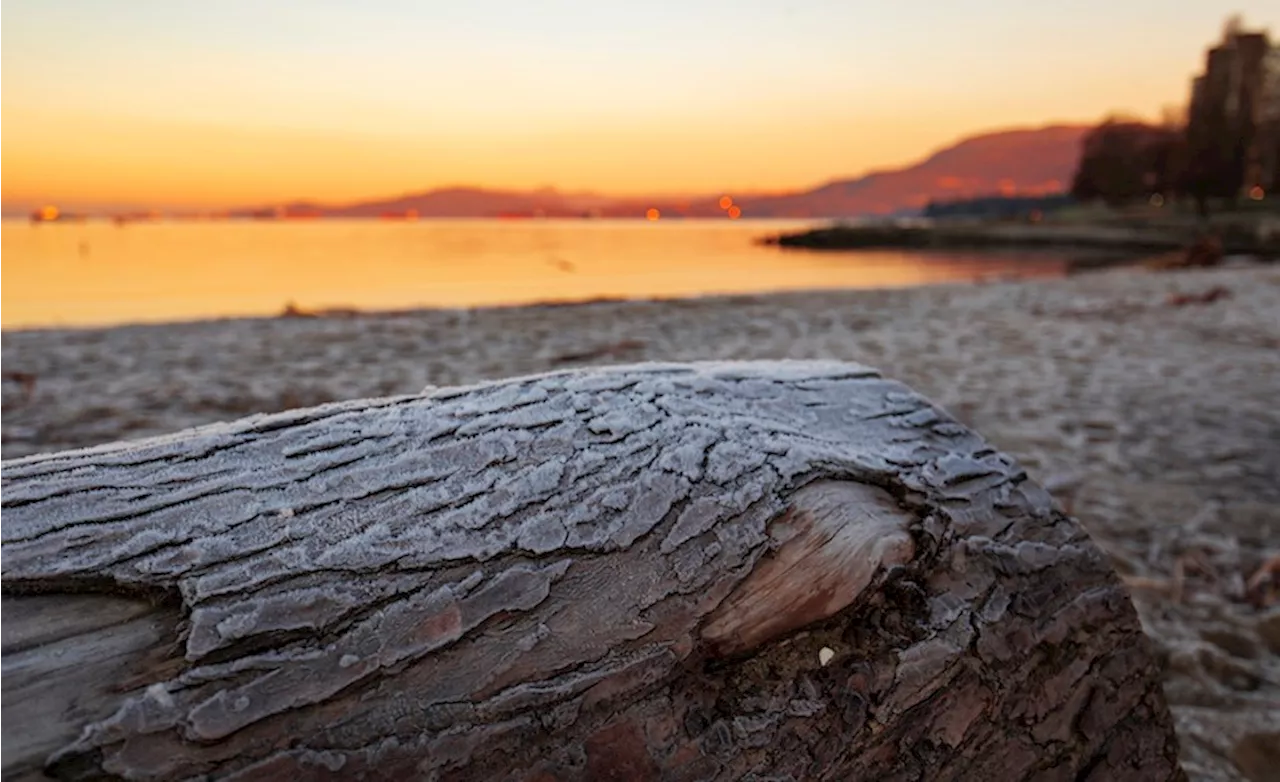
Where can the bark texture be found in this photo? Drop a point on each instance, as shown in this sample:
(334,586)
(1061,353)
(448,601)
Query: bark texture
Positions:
(793,570)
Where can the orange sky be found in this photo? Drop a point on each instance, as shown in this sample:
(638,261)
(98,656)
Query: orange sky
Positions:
(207,105)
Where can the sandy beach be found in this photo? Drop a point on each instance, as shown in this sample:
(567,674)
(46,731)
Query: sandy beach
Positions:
(1147,402)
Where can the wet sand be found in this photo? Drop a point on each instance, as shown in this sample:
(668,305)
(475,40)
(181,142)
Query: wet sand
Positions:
(1148,403)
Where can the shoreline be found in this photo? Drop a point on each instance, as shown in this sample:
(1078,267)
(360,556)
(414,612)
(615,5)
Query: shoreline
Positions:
(1260,240)
(1144,401)
(561,321)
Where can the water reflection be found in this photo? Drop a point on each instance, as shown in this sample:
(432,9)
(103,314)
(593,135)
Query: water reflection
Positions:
(94,273)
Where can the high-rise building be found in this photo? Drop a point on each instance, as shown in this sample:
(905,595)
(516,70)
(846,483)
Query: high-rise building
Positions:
(1269,122)
(1196,105)
(1233,123)
(1247,83)
(1270,108)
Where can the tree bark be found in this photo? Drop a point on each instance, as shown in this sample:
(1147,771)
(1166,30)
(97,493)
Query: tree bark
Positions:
(794,570)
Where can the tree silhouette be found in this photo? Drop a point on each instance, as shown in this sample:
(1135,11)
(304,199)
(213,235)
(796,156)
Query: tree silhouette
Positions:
(1124,160)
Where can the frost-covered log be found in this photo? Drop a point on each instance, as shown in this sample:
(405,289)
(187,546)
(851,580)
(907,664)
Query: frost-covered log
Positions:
(723,571)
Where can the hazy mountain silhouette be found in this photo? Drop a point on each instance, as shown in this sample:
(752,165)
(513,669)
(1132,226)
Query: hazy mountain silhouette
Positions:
(476,202)
(1022,161)
(1026,161)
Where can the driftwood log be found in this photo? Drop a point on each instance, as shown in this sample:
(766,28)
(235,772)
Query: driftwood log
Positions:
(722,571)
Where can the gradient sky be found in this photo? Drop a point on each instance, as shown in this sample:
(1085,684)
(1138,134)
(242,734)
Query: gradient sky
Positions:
(235,102)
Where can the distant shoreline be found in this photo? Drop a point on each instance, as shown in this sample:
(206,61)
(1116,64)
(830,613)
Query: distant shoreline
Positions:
(1137,240)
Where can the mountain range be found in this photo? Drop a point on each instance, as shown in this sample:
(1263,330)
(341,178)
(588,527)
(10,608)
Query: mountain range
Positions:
(1023,162)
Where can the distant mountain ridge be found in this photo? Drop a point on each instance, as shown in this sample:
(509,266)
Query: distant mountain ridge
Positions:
(1033,161)
(1026,162)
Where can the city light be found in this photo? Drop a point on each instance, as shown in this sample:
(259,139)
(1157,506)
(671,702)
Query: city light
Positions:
(652,214)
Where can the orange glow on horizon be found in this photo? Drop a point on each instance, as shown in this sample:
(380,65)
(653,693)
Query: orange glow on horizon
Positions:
(652,214)
(606,103)
(136,163)
(735,212)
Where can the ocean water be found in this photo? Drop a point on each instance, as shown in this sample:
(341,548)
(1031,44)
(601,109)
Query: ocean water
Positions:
(93,273)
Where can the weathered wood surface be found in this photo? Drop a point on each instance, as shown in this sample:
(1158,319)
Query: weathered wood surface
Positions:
(786,570)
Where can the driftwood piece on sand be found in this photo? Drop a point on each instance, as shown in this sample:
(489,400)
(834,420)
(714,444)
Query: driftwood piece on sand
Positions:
(721,571)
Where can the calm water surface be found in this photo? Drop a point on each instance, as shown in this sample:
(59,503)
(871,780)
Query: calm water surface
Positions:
(97,273)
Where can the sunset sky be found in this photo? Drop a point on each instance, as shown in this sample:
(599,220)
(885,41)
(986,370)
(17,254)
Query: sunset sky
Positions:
(231,103)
